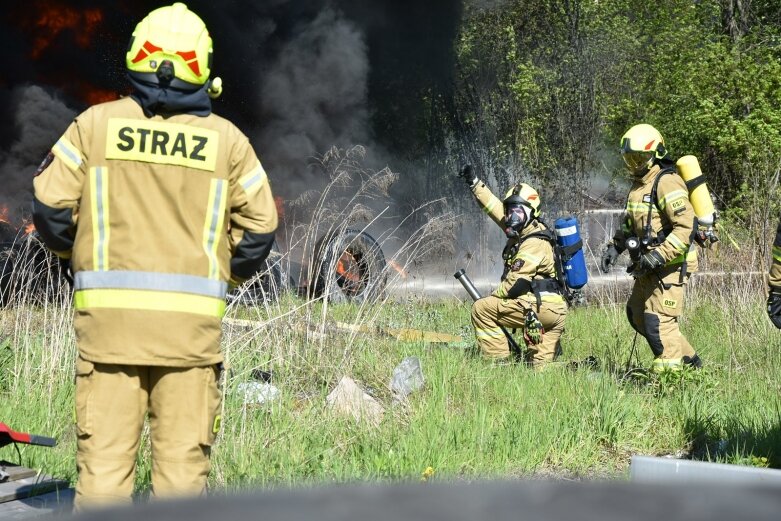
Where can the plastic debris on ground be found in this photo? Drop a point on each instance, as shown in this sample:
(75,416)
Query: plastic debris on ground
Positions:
(407,377)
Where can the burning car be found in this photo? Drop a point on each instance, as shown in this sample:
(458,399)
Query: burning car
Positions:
(345,265)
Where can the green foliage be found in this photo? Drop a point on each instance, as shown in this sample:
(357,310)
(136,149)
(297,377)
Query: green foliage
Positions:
(552,84)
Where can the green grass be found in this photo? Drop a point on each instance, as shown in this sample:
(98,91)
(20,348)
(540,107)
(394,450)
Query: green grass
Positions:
(472,419)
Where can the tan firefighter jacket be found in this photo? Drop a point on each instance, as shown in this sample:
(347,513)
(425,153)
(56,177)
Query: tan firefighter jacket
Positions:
(673,222)
(530,264)
(775,268)
(157,215)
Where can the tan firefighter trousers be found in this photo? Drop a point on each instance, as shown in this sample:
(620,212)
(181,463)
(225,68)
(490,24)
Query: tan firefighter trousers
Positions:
(489,313)
(112,401)
(653,311)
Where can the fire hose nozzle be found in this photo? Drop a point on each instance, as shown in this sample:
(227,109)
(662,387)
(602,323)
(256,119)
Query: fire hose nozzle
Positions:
(633,246)
(470,288)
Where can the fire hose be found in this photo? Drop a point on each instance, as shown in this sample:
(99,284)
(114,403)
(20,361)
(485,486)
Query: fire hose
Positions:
(470,288)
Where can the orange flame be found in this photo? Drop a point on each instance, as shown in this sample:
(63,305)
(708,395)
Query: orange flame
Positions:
(347,267)
(94,95)
(401,271)
(55,17)
(279,202)
(5,217)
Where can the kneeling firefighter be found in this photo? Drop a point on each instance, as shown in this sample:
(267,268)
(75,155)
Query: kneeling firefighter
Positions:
(659,230)
(529,296)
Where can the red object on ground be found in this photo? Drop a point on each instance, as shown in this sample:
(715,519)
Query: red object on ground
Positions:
(8,436)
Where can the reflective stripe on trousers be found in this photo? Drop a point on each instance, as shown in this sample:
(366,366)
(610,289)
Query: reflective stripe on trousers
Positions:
(661,365)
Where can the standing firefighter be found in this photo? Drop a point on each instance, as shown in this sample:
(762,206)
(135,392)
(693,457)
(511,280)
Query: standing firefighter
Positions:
(158,203)
(529,296)
(774,299)
(659,231)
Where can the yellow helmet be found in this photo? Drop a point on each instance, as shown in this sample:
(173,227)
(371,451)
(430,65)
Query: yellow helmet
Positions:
(525,195)
(640,146)
(174,34)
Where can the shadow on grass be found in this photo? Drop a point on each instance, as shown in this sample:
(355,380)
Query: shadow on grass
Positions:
(735,441)
(720,435)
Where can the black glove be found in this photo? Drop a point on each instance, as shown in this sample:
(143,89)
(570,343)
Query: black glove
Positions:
(466,173)
(650,261)
(609,257)
(774,306)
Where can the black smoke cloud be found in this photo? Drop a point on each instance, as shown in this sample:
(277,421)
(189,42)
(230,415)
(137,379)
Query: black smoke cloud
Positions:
(315,93)
(299,75)
(38,120)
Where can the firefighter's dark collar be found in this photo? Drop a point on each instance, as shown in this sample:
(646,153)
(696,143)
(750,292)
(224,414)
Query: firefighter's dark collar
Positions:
(648,176)
(155,100)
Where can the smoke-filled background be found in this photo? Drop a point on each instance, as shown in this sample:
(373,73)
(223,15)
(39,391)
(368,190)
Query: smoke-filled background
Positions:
(300,76)
(538,91)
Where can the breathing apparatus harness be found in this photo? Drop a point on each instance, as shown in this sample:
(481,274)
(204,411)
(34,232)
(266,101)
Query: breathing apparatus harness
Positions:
(648,240)
(561,255)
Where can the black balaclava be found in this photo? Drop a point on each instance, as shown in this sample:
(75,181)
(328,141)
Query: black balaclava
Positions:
(165,101)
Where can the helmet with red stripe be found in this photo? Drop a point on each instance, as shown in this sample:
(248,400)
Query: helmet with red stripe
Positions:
(641,146)
(171,46)
(521,206)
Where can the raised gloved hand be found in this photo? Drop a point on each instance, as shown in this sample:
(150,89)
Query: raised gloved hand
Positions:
(650,261)
(532,329)
(774,306)
(467,174)
(609,257)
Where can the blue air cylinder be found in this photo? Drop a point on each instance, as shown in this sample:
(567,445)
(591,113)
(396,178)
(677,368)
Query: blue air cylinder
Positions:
(568,238)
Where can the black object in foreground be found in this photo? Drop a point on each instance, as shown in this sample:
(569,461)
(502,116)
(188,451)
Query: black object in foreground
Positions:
(469,501)
(8,436)
(470,288)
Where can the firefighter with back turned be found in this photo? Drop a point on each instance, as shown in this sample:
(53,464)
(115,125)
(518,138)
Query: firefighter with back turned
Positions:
(529,296)
(159,205)
(659,230)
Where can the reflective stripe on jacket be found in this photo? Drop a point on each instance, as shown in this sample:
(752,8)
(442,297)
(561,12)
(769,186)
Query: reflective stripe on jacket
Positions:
(672,216)
(157,215)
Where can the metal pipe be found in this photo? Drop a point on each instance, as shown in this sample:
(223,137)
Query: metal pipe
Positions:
(470,288)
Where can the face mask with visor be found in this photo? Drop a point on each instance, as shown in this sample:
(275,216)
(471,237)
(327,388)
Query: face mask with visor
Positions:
(637,161)
(516,216)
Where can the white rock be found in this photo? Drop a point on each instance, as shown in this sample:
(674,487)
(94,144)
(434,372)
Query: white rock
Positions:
(349,400)
(256,393)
